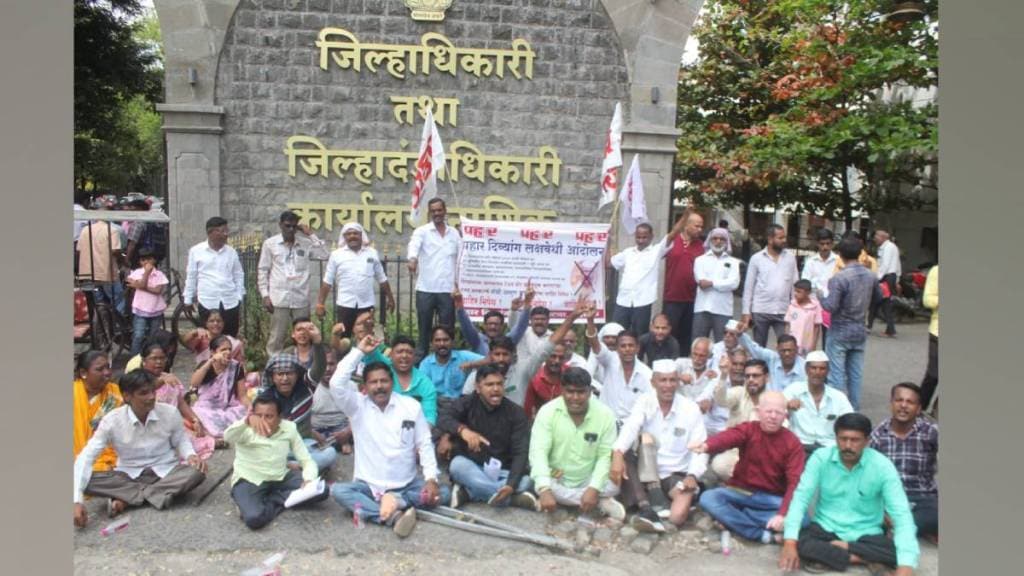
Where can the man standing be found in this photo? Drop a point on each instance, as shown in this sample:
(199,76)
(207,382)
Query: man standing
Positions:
(624,377)
(889,270)
(283,276)
(769,286)
(819,268)
(785,365)
(755,500)
(433,253)
(390,434)
(912,443)
(100,253)
(150,442)
(214,277)
(658,344)
(674,422)
(571,450)
(856,487)
(638,281)
(718,276)
(491,445)
(814,407)
(262,479)
(680,285)
(352,270)
(849,295)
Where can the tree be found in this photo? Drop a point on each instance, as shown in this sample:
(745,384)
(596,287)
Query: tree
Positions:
(118,79)
(788,94)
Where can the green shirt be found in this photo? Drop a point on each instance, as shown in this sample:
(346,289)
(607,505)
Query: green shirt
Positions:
(421,388)
(261,459)
(852,503)
(583,454)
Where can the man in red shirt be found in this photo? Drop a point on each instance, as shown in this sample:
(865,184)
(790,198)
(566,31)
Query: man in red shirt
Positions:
(680,284)
(546,384)
(755,500)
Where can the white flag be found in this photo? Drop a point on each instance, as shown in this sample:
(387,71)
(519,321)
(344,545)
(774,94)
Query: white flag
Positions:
(429,163)
(612,159)
(633,205)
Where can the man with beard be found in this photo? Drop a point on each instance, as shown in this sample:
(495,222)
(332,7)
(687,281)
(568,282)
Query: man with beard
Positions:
(491,446)
(330,425)
(390,434)
(673,422)
(546,384)
(408,379)
(540,330)
(754,502)
(698,384)
(680,290)
(769,287)
(638,268)
(624,377)
(444,366)
(658,344)
(494,322)
(572,358)
(740,385)
(856,487)
(352,270)
(570,450)
(784,364)
(814,407)
(912,443)
(718,275)
(435,245)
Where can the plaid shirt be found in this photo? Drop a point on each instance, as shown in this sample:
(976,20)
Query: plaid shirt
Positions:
(915,456)
(849,295)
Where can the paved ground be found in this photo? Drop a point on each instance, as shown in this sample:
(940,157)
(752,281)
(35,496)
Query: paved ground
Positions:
(210,539)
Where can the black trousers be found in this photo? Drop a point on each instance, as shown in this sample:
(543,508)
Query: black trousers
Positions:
(930,383)
(884,306)
(347,316)
(680,316)
(259,505)
(814,544)
(230,316)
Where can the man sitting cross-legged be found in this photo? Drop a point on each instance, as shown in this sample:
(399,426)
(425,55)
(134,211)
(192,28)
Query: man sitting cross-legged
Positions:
(262,479)
(491,445)
(856,487)
(571,450)
(754,502)
(150,442)
(390,432)
(674,422)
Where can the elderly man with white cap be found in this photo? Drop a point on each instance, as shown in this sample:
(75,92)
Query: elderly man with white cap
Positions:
(729,343)
(671,422)
(718,276)
(608,335)
(352,271)
(814,407)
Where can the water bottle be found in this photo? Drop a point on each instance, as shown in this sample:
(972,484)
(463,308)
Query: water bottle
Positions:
(726,543)
(357,517)
(115,526)
(269,567)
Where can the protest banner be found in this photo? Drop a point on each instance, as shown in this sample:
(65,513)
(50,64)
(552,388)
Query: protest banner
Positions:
(561,260)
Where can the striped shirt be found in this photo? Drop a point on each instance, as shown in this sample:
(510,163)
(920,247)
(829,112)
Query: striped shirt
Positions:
(915,456)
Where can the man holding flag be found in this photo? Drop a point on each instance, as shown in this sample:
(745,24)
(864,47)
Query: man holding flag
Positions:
(436,244)
(638,265)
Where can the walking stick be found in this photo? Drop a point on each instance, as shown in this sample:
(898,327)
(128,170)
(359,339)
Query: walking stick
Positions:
(539,540)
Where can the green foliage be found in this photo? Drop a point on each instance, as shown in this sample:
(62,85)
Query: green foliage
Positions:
(786,94)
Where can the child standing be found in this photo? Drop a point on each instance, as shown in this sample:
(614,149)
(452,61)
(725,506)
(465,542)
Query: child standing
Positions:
(803,318)
(148,304)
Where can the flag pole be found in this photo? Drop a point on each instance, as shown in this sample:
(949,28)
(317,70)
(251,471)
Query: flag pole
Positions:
(613,239)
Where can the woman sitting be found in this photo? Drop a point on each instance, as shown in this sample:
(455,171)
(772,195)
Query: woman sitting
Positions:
(94,396)
(200,339)
(166,340)
(221,390)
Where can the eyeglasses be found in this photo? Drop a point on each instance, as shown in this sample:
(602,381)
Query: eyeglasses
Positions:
(750,376)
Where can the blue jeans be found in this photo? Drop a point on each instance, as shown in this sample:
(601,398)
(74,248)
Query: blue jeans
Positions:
(349,494)
(324,458)
(111,293)
(143,327)
(745,515)
(845,367)
(426,304)
(471,476)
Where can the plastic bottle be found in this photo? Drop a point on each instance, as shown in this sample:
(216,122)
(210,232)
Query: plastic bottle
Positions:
(115,526)
(269,567)
(357,517)
(726,543)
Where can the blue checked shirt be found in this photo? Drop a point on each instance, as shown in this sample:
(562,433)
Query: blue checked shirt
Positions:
(849,295)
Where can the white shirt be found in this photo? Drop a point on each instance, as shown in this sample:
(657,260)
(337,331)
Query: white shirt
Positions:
(889,259)
(530,343)
(353,275)
(216,275)
(387,441)
(724,273)
(616,393)
(638,284)
(436,256)
(718,350)
(682,426)
(283,271)
(700,389)
(159,444)
(814,424)
(819,271)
